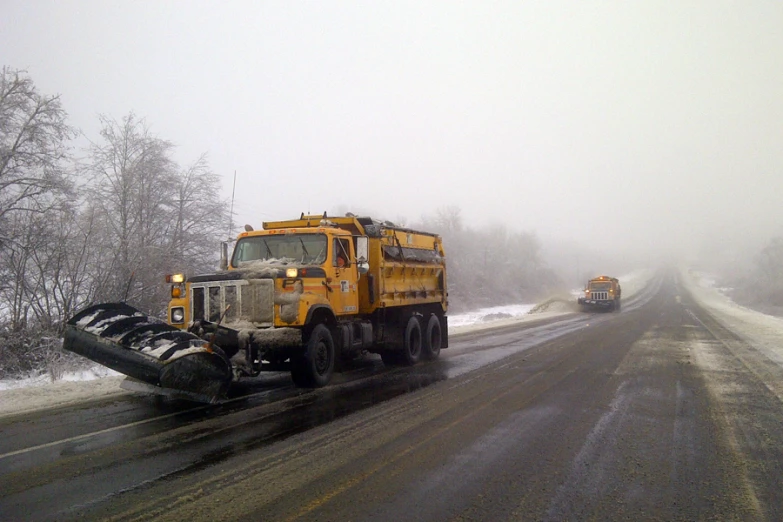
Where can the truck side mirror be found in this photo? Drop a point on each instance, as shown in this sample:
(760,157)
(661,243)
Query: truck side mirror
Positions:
(362,254)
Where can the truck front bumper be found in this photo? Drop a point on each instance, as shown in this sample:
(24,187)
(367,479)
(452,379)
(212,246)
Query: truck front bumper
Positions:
(596,303)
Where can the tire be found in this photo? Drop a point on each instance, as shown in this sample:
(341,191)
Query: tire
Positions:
(314,368)
(432,339)
(411,342)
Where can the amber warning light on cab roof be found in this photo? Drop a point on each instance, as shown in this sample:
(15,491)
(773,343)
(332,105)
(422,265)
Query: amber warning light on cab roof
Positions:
(177,286)
(175,278)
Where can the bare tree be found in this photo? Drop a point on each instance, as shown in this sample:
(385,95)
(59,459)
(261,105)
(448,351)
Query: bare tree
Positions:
(768,276)
(42,285)
(33,147)
(141,216)
(34,188)
(157,217)
(200,217)
(134,182)
(490,265)
(449,218)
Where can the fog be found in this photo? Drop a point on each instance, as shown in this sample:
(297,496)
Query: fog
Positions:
(651,129)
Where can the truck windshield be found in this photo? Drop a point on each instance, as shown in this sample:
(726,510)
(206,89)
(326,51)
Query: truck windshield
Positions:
(601,286)
(306,249)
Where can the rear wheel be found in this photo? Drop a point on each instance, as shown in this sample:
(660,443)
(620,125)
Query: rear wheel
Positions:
(314,368)
(432,339)
(411,342)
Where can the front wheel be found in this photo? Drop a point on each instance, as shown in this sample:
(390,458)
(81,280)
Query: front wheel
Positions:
(314,368)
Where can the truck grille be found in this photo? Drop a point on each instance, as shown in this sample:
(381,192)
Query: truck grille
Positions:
(599,296)
(239,300)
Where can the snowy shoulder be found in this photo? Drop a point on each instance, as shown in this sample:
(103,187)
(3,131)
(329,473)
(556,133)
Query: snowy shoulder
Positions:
(34,396)
(761,330)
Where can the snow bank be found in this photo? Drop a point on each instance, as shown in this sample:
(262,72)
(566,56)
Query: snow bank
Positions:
(763,331)
(36,395)
(492,313)
(635,281)
(97,372)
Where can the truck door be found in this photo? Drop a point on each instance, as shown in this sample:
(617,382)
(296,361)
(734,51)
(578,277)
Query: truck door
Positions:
(345,297)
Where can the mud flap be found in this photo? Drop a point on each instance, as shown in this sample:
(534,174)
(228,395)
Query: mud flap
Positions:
(122,338)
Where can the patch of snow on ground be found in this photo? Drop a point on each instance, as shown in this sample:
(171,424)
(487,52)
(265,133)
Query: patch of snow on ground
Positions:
(763,331)
(635,281)
(97,372)
(709,281)
(38,395)
(491,313)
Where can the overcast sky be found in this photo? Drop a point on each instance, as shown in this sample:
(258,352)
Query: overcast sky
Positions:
(655,123)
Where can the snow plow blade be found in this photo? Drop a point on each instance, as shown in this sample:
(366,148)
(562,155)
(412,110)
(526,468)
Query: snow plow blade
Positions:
(122,338)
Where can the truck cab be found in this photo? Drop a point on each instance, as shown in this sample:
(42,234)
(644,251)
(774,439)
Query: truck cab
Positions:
(601,293)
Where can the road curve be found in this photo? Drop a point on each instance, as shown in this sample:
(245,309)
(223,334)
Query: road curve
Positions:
(656,412)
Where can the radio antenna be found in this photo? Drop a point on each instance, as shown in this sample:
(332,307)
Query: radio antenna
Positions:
(231,214)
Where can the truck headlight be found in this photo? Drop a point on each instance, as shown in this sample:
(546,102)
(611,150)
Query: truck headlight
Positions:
(177,315)
(291,273)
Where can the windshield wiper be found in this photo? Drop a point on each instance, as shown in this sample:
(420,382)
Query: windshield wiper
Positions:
(304,248)
(268,251)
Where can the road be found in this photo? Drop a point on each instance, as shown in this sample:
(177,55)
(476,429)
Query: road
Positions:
(653,413)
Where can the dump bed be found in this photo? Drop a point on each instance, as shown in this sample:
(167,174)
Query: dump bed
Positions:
(407,267)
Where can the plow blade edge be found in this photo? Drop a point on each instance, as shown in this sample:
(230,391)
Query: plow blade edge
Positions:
(122,338)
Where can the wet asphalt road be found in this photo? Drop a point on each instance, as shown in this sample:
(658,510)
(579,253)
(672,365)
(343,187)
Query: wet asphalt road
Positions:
(653,413)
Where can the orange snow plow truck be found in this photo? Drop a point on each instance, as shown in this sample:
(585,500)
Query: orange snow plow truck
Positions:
(601,293)
(299,295)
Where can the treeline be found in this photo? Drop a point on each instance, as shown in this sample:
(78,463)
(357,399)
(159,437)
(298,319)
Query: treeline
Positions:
(761,287)
(491,265)
(103,223)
